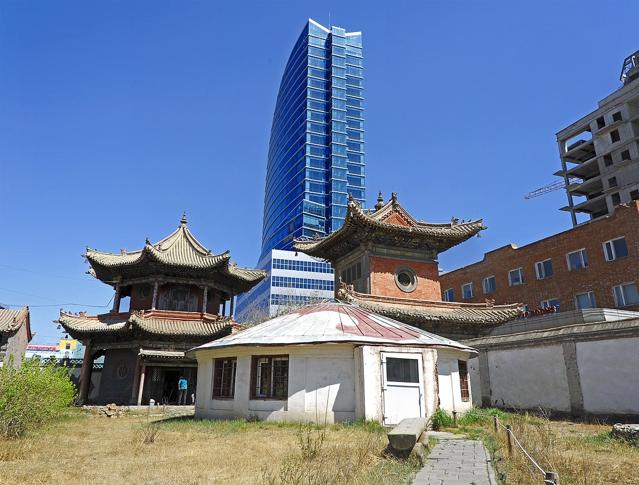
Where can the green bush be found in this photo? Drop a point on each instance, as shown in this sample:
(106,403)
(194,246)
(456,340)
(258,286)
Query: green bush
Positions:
(441,419)
(32,395)
(480,416)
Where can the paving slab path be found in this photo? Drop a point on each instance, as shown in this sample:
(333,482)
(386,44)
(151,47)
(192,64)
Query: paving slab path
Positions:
(455,461)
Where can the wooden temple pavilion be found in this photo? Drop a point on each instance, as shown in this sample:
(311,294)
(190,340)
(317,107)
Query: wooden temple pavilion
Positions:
(385,261)
(178,292)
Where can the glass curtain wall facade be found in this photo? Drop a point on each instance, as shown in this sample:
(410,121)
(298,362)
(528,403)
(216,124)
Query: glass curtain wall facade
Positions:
(316,150)
(315,160)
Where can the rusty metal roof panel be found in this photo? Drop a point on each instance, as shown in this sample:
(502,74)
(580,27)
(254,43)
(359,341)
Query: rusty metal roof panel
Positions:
(333,323)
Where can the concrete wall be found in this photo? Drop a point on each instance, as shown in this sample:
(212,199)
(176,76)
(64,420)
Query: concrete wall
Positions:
(450,397)
(577,370)
(609,375)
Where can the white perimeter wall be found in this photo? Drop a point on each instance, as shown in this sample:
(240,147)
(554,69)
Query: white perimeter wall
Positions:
(609,374)
(529,375)
(606,380)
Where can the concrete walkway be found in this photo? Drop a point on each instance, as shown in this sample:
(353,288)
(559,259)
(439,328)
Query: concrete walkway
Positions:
(455,461)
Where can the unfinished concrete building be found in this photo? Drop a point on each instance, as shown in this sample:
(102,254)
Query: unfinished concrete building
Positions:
(600,152)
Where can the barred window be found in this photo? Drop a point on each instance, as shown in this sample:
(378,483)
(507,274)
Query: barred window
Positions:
(224,378)
(463,380)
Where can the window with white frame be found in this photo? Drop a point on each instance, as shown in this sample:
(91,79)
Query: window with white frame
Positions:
(550,303)
(543,269)
(516,277)
(489,284)
(615,249)
(585,300)
(626,294)
(467,291)
(449,295)
(577,260)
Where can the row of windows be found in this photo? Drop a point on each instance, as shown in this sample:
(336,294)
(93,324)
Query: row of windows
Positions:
(625,294)
(269,377)
(294,300)
(302,283)
(613,249)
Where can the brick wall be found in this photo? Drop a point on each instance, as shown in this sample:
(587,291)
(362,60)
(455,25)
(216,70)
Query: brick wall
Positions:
(383,278)
(600,276)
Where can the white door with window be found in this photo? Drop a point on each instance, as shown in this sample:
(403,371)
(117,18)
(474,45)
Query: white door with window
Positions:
(402,387)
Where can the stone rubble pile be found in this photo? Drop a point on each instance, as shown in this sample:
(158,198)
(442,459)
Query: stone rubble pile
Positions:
(110,411)
(628,432)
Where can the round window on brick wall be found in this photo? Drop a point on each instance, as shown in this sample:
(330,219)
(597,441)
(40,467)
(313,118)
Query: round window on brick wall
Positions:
(405,279)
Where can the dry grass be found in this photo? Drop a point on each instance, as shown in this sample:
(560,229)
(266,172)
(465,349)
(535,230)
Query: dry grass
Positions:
(86,448)
(581,453)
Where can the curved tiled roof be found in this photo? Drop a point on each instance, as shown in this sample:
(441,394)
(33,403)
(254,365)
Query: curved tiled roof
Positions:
(180,253)
(333,323)
(154,323)
(390,222)
(12,320)
(416,312)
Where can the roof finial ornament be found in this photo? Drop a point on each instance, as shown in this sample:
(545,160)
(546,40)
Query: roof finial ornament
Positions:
(454,221)
(184,221)
(394,198)
(350,197)
(380,201)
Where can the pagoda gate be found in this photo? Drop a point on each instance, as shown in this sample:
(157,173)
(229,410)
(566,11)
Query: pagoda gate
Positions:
(385,261)
(178,293)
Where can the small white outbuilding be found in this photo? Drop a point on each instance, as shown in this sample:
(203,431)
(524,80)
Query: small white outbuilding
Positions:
(331,362)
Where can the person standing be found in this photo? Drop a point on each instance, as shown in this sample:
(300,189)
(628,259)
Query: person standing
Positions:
(183,385)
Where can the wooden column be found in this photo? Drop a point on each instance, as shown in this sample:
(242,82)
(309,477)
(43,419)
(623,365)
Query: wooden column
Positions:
(116,299)
(85,371)
(141,388)
(136,381)
(155,295)
(223,307)
(205,294)
(232,305)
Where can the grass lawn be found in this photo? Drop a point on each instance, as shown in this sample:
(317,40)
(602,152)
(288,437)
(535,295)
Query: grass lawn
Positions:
(581,453)
(86,448)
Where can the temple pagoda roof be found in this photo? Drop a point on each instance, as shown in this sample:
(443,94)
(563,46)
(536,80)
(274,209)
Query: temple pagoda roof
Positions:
(389,224)
(428,312)
(179,254)
(12,320)
(150,324)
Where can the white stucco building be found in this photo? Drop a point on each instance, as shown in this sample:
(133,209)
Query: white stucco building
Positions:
(331,362)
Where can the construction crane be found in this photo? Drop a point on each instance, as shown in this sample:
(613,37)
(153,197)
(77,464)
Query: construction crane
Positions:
(559,184)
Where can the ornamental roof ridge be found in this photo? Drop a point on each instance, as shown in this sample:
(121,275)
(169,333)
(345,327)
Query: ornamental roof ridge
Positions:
(363,223)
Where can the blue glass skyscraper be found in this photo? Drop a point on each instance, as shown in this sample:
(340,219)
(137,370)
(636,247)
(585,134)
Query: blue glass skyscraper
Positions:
(316,151)
(315,160)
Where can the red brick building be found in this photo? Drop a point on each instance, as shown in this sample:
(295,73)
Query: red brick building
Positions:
(595,264)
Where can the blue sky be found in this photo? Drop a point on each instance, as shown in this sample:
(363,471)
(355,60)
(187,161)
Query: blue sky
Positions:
(117,116)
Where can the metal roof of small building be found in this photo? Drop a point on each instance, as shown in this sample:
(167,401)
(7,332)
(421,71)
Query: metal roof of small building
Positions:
(333,323)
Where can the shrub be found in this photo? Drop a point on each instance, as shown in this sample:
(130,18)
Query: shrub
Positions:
(32,395)
(441,419)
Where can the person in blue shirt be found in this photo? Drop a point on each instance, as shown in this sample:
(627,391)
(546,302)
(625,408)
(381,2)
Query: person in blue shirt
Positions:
(183,385)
